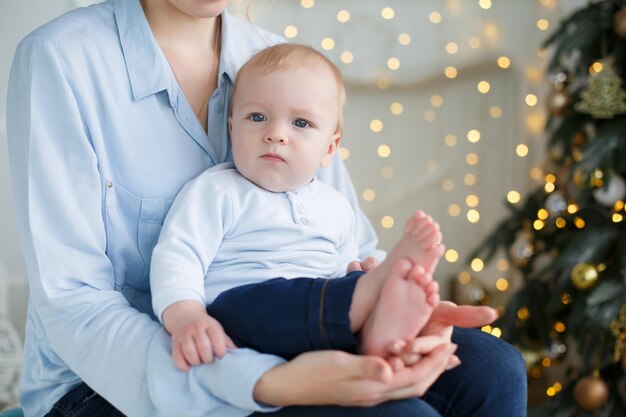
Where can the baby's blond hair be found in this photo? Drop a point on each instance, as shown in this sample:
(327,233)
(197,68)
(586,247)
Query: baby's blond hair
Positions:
(289,55)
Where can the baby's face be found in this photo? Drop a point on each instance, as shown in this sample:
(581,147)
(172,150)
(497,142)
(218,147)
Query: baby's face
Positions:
(283,125)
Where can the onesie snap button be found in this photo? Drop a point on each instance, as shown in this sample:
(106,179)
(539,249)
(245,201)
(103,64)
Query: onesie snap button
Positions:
(304,221)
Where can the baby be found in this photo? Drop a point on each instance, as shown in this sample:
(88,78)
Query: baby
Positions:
(235,228)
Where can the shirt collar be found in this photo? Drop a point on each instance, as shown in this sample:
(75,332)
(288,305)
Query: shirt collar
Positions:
(141,50)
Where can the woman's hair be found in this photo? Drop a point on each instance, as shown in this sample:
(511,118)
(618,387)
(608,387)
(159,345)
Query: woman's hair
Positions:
(289,55)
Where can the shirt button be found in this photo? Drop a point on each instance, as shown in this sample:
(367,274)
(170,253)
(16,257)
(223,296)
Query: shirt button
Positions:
(304,221)
(220,108)
(295,192)
(109,184)
(300,208)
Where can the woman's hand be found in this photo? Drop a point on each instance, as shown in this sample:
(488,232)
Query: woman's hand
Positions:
(339,378)
(438,330)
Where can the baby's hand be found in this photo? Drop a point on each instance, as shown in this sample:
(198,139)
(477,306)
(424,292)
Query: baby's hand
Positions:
(367,265)
(196,337)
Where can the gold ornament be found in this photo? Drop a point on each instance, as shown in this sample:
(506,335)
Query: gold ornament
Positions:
(603,97)
(591,393)
(557,101)
(619,23)
(584,276)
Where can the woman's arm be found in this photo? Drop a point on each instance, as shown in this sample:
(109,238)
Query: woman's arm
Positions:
(90,326)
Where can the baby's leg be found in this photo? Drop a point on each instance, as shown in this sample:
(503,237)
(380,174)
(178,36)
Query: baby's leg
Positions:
(420,244)
(404,305)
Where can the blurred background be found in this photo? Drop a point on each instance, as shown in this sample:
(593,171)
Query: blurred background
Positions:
(447,106)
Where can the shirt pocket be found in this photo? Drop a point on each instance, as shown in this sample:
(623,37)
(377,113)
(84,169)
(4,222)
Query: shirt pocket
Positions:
(133,225)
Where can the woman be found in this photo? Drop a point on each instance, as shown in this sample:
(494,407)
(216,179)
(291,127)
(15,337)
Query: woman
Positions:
(111,109)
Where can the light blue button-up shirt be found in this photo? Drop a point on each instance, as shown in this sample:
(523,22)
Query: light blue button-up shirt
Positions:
(101,139)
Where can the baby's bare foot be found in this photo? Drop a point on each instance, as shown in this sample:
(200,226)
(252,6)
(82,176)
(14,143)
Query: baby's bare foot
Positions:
(406,301)
(420,243)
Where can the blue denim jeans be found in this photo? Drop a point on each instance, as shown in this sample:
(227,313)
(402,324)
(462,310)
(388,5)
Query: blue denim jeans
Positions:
(287,317)
(490,382)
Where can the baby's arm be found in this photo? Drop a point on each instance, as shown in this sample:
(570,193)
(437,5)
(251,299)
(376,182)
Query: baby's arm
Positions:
(196,336)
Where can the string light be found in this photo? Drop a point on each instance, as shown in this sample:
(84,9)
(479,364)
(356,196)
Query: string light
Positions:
(388,13)
(447,185)
(436,100)
(430,115)
(473,136)
(435,17)
(396,108)
(502,265)
(474,42)
(504,62)
(346,57)
(452,48)
(477,265)
(307,4)
(502,284)
(483,87)
(471,159)
(450,140)
(538,224)
(543,24)
(536,173)
(542,214)
(404,39)
(469,179)
(485,4)
(343,16)
(290,32)
(451,256)
(521,150)
(464,277)
(328,44)
(387,173)
(531,100)
(376,125)
(387,222)
(491,30)
(384,151)
(495,112)
(523,313)
(513,197)
(369,194)
(472,200)
(617,217)
(344,153)
(473,216)
(451,72)
(383,83)
(454,210)
(596,67)
(393,63)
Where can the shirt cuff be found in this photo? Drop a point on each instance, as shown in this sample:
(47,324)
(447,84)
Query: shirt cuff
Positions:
(232,378)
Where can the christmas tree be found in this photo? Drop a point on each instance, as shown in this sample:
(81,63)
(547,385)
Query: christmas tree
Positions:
(567,237)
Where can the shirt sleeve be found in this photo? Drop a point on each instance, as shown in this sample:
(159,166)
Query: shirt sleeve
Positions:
(337,176)
(121,353)
(189,240)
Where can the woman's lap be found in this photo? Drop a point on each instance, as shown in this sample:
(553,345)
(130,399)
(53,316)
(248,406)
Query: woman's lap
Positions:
(490,382)
(412,407)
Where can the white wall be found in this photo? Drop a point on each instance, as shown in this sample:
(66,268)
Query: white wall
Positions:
(420,159)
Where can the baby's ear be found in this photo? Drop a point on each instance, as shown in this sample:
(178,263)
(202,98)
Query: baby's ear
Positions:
(330,151)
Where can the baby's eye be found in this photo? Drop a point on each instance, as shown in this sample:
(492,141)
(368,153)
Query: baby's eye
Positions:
(301,123)
(257,117)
